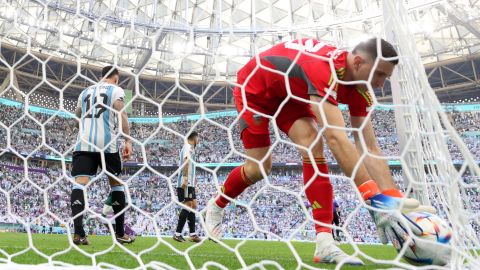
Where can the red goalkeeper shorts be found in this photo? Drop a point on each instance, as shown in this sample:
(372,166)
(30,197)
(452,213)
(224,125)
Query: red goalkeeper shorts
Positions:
(254,128)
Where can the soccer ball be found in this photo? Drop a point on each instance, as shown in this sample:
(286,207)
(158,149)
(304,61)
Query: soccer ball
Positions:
(432,248)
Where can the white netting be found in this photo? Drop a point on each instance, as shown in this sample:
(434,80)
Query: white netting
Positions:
(424,129)
(37,144)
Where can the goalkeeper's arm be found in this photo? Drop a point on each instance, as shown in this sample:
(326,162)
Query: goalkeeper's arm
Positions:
(347,157)
(377,167)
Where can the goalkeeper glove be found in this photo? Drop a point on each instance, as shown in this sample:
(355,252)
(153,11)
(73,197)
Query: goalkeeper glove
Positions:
(390,225)
(409,204)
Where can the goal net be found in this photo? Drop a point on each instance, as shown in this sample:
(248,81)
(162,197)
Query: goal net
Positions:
(426,136)
(169,93)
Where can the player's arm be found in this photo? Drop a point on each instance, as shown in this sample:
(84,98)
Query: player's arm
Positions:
(78,114)
(118,105)
(347,157)
(185,171)
(342,148)
(78,110)
(317,75)
(377,168)
(187,162)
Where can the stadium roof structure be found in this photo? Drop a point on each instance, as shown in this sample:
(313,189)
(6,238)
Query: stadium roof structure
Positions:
(200,44)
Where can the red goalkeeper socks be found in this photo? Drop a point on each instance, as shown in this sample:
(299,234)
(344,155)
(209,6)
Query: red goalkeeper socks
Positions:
(235,184)
(319,193)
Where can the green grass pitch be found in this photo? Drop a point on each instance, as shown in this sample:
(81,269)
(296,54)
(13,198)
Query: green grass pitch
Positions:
(251,251)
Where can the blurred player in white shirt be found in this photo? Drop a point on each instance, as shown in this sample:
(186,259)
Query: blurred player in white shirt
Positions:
(186,189)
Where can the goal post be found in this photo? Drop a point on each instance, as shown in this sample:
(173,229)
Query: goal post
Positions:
(406,76)
(424,131)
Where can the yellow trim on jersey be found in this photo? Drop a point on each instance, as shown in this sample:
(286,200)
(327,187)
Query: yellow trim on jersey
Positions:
(331,79)
(366,96)
(340,72)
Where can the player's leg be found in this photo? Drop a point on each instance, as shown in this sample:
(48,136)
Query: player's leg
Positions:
(237,181)
(108,210)
(342,148)
(319,191)
(336,222)
(77,204)
(182,215)
(297,120)
(247,174)
(118,205)
(84,165)
(113,165)
(255,137)
(191,216)
(254,134)
(318,188)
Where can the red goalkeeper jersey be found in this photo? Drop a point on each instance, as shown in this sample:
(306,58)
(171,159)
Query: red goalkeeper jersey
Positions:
(309,73)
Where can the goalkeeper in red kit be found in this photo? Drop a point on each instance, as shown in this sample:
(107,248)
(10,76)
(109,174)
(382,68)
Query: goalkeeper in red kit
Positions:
(300,80)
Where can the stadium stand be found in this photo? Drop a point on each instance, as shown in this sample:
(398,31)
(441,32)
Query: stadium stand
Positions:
(274,211)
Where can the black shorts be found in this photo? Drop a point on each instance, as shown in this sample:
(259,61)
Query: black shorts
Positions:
(87,163)
(187,196)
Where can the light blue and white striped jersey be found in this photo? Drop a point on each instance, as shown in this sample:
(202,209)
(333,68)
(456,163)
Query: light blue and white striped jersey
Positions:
(98,123)
(187,152)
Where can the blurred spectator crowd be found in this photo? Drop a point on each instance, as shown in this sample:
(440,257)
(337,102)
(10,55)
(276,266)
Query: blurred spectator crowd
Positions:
(40,194)
(161,143)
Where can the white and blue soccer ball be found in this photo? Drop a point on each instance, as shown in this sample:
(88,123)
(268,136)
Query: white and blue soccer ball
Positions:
(432,247)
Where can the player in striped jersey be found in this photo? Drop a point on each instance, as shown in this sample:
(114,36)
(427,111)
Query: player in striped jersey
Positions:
(100,111)
(186,189)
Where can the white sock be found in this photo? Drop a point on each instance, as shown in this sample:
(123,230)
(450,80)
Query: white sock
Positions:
(324,239)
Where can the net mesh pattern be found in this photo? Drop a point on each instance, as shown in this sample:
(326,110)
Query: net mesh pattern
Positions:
(36,198)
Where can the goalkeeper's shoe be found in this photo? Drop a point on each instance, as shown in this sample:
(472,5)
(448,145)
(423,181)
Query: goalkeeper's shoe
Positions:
(125,239)
(77,240)
(327,252)
(213,220)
